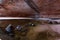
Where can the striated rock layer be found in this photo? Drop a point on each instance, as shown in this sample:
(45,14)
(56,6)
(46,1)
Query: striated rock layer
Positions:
(19,8)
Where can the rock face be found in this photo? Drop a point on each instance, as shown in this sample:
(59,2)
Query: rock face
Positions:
(20,8)
(15,8)
(49,8)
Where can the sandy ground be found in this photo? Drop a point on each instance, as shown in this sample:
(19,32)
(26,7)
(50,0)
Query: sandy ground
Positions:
(41,28)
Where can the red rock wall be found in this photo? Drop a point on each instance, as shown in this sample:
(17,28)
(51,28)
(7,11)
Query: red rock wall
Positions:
(50,8)
(20,8)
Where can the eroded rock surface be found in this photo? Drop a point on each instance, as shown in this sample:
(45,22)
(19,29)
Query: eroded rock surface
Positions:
(20,8)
